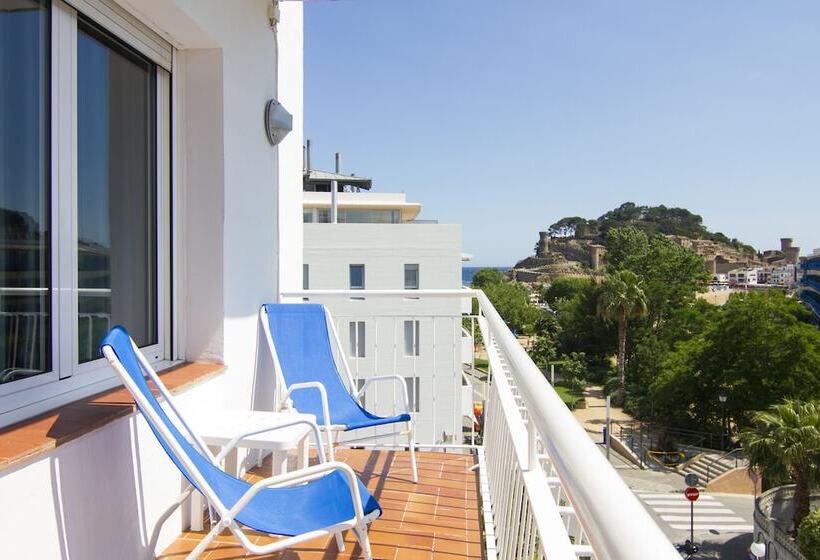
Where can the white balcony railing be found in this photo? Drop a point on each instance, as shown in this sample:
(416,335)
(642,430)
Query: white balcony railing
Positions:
(553,493)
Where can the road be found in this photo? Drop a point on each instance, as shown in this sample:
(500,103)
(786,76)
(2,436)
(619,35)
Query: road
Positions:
(723,522)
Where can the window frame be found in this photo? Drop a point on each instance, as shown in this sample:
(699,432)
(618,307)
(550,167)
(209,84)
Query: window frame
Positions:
(350,277)
(417,268)
(69,380)
(362,396)
(358,339)
(413,385)
(414,345)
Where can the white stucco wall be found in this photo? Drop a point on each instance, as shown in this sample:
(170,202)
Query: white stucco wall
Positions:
(97,497)
(238,238)
(384,249)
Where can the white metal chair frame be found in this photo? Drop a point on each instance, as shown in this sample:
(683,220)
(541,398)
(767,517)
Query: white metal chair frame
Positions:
(332,431)
(226,516)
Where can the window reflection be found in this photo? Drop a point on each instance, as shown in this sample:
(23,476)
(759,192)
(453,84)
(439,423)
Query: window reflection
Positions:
(117,247)
(25,257)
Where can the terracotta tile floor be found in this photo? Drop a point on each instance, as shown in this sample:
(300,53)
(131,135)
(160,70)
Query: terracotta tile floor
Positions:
(436,519)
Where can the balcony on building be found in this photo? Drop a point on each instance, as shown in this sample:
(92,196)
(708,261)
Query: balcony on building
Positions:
(148,187)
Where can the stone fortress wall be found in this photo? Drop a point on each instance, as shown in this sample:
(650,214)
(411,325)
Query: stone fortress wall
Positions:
(582,254)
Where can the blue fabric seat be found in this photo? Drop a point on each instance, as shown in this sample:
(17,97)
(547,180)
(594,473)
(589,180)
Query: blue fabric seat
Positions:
(278,511)
(302,340)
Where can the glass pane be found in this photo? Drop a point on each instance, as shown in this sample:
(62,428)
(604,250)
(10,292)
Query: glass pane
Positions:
(367,216)
(117,213)
(410,333)
(359,384)
(360,341)
(25,261)
(356,276)
(412,392)
(411,277)
(357,344)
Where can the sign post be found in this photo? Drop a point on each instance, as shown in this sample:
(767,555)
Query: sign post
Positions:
(692,494)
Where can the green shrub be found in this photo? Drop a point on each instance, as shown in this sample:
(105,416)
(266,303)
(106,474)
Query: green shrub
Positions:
(574,371)
(808,536)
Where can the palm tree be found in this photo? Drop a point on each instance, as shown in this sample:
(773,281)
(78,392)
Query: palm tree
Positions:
(783,443)
(622,298)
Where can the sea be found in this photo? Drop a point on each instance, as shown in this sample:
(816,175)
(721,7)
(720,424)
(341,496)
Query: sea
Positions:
(468,271)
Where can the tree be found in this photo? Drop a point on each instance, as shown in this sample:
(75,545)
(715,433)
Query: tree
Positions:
(759,349)
(568,227)
(512,301)
(582,330)
(574,371)
(546,325)
(564,288)
(784,445)
(622,298)
(808,536)
(625,246)
(487,277)
(672,275)
(542,352)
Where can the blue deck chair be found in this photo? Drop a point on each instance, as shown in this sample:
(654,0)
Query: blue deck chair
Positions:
(327,498)
(300,344)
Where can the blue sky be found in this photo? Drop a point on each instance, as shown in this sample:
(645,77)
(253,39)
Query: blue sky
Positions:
(506,116)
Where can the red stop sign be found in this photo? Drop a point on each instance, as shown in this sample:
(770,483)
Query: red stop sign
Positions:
(692,494)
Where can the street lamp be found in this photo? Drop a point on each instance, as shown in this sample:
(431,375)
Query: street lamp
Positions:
(758,549)
(723,397)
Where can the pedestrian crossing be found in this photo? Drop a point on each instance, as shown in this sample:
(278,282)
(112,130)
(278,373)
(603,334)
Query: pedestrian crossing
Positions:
(710,513)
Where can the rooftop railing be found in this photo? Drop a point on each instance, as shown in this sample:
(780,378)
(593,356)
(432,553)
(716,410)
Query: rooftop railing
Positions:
(553,494)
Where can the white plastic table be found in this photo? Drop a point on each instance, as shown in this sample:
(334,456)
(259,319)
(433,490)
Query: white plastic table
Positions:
(218,428)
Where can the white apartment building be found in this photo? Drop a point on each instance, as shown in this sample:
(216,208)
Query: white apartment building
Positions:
(377,244)
(743,276)
(787,275)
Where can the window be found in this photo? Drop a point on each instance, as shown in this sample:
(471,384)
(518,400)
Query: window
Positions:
(305,276)
(413,392)
(25,194)
(323,216)
(357,277)
(368,216)
(411,277)
(411,338)
(84,191)
(116,192)
(357,340)
(307,216)
(359,384)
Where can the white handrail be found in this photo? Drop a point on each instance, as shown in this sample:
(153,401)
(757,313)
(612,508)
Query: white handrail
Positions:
(445,293)
(612,520)
(616,524)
